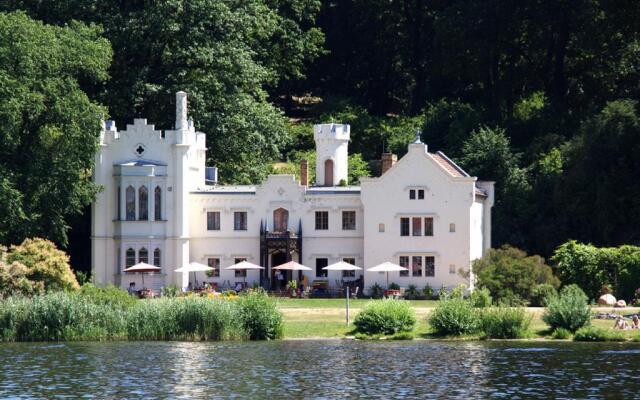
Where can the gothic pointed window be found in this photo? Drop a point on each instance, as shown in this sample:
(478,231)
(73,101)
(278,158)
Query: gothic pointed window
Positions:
(143,203)
(280,220)
(156,257)
(130,194)
(143,255)
(118,203)
(157,207)
(130,258)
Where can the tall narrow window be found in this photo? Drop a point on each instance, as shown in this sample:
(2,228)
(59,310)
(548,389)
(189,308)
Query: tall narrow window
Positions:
(322,220)
(404,226)
(349,274)
(240,273)
(215,264)
(143,255)
(417,226)
(156,258)
(321,263)
(130,258)
(328,173)
(118,203)
(157,205)
(430,266)
(143,203)
(213,220)
(280,220)
(348,220)
(452,227)
(428,226)
(421,194)
(240,220)
(131,203)
(404,262)
(416,266)
(412,194)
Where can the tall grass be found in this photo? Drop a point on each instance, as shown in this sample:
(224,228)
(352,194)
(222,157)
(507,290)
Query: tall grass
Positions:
(74,316)
(454,316)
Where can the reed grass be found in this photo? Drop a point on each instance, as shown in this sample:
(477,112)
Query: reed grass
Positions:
(72,316)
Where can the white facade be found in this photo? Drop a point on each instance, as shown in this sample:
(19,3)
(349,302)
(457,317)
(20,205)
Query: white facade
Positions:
(425,212)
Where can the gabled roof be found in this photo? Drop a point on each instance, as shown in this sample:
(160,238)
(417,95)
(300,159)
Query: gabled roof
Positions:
(445,162)
(141,162)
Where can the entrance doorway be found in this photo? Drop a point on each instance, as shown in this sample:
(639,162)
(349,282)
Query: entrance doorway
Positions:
(279,258)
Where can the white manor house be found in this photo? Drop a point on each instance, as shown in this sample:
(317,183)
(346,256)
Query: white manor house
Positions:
(160,204)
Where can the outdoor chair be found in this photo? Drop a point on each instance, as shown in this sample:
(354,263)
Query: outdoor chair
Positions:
(354,292)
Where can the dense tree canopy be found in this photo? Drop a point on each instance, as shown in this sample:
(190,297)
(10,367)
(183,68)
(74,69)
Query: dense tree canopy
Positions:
(49,126)
(541,97)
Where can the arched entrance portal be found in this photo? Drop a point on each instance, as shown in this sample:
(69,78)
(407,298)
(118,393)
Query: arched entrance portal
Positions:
(328,173)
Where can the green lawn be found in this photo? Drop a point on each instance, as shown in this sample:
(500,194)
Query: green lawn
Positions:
(325,318)
(285,303)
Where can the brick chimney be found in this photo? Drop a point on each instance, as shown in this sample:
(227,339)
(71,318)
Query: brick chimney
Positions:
(304,173)
(388,160)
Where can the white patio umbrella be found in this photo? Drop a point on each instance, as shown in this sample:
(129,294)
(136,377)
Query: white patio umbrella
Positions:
(142,268)
(194,267)
(343,266)
(293,266)
(244,265)
(387,267)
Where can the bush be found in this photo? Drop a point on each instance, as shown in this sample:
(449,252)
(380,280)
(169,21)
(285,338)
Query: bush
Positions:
(394,286)
(411,293)
(376,291)
(480,298)
(505,323)
(597,334)
(259,316)
(442,293)
(458,291)
(45,263)
(171,290)
(14,281)
(561,333)
(541,294)
(511,275)
(386,317)
(454,317)
(569,310)
(427,292)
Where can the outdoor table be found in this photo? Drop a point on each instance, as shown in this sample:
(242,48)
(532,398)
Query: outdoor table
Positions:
(392,293)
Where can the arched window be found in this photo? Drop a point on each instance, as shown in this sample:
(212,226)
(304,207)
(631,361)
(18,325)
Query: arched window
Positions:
(131,258)
(280,220)
(157,206)
(143,203)
(131,203)
(328,173)
(143,255)
(156,257)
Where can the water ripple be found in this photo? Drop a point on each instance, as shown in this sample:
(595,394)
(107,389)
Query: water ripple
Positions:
(318,370)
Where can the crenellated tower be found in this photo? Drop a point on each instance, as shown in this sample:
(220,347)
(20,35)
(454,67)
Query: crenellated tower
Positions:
(332,153)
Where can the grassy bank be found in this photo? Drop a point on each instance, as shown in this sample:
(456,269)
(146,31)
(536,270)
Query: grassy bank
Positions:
(326,318)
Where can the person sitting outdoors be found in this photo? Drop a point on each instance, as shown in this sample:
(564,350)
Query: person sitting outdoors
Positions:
(635,322)
(621,323)
(239,287)
(132,288)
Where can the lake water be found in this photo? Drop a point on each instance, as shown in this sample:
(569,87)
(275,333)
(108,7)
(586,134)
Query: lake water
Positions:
(319,369)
